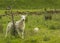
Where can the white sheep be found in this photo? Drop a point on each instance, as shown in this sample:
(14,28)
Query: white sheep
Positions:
(9,26)
(20,26)
(36,29)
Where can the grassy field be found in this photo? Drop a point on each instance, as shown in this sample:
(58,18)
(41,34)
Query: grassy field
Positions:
(49,30)
(31,4)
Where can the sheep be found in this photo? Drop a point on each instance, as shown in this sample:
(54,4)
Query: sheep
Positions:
(19,25)
(36,29)
(9,26)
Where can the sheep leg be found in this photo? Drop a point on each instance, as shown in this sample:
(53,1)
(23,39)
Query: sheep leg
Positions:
(23,35)
(18,32)
(7,31)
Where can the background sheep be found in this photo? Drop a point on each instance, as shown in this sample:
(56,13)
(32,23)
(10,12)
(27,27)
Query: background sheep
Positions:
(36,29)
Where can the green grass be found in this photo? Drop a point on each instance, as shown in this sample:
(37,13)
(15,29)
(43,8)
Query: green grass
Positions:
(31,4)
(49,31)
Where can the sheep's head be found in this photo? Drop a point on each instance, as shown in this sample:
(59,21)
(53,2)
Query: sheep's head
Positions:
(23,17)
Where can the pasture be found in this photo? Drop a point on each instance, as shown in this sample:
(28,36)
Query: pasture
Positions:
(31,4)
(49,30)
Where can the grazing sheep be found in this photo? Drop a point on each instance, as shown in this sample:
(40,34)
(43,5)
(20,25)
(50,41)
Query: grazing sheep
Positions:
(36,29)
(20,26)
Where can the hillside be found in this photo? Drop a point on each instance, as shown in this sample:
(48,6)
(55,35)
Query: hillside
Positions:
(30,4)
